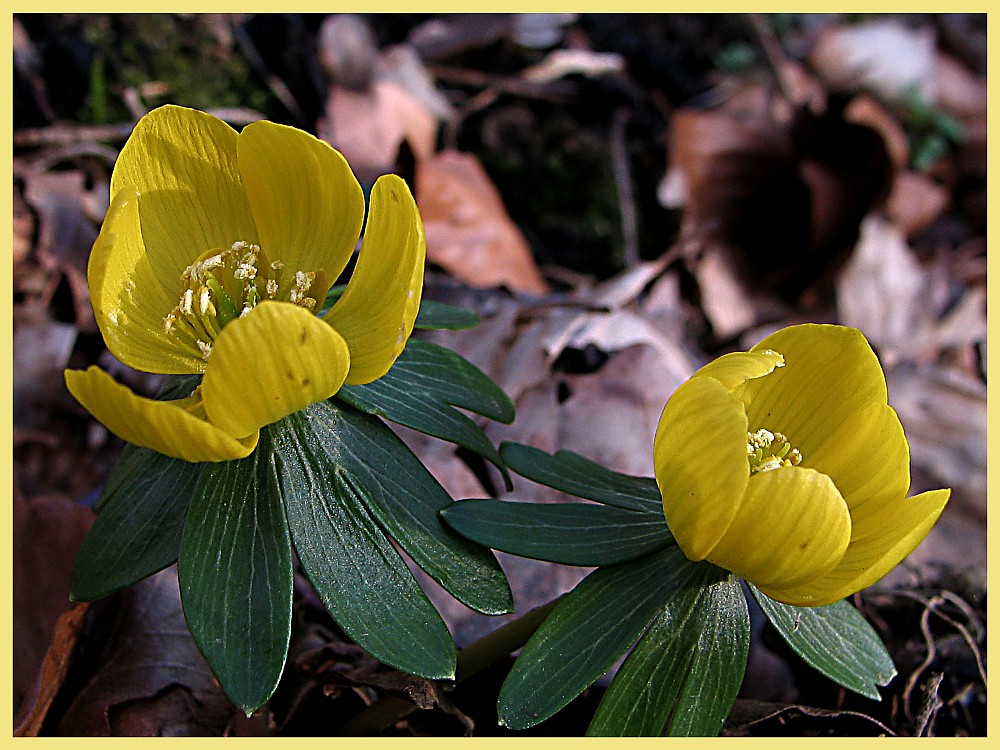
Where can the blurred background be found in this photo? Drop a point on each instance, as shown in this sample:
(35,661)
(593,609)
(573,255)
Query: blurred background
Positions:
(621,198)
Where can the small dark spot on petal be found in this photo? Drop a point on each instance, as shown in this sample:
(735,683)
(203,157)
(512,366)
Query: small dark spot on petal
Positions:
(395,198)
(303,337)
(306,382)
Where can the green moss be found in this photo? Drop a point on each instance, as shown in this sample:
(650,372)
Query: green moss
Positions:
(192,54)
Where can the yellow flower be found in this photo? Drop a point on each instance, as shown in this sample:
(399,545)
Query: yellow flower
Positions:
(216,256)
(787,466)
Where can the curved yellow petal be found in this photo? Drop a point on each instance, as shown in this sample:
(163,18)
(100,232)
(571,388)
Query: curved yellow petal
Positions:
(735,368)
(375,315)
(830,373)
(307,204)
(129,297)
(164,426)
(887,540)
(273,362)
(183,164)
(700,460)
(792,527)
(867,457)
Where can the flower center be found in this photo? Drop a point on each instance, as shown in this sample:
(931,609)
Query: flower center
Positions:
(768,450)
(223,285)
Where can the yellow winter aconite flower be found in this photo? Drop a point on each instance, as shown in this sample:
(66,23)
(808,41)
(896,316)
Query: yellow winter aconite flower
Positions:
(787,466)
(215,257)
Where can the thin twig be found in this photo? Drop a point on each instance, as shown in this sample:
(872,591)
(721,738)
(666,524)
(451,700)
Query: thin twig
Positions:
(775,55)
(474,658)
(623,183)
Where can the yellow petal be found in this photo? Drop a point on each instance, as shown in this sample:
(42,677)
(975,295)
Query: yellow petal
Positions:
(792,527)
(867,457)
(183,164)
(830,373)
(307,204)
(129,297)
(164,426)
(887,540)
(700,458)
(376,312)
(736,368)
(273,362)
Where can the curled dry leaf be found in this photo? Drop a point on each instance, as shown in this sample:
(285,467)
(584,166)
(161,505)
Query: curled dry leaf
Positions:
(47,531)
(41,351)
(865,109)
(960,91)
(347,50)
(150,679)
(52,672)
(469,232)
(882,55)
(883,291)
(65,232)
(369,126)
(915,202)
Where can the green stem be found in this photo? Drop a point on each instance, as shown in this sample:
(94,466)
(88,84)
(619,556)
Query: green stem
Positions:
(474,658)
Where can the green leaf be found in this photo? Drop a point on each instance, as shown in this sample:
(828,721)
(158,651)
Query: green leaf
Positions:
(689,664)
(567,533)
(587,632)
(576,475)
(835,640)
(138,529)
(235,575)
(434,314)
(421,391)
(720,660)
(355,570)
(405,500)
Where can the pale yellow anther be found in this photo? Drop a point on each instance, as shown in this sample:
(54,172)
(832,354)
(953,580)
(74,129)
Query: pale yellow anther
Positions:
(767,451)
(205,300)
(226,286)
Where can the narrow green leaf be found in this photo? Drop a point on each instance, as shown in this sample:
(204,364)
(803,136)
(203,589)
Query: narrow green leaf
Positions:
(421,391)
(835,640)
(235,574)
(432,314)
(441,315)
(655,676)
(140,516)
(590,629)
(405,499)
(720,660)
(138,529)
(567,533)
(576,475)
(428,368)
(355,570)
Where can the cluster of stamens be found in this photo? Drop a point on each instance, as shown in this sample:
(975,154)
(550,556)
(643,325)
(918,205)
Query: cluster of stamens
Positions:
(768,450)
(227,285)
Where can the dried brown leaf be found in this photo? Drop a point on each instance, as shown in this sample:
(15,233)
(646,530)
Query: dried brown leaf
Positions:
(882,55)
(151,679)
(469,232)
(47,531)
(369,126)
(52,672)
(65,232)
(915,202)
